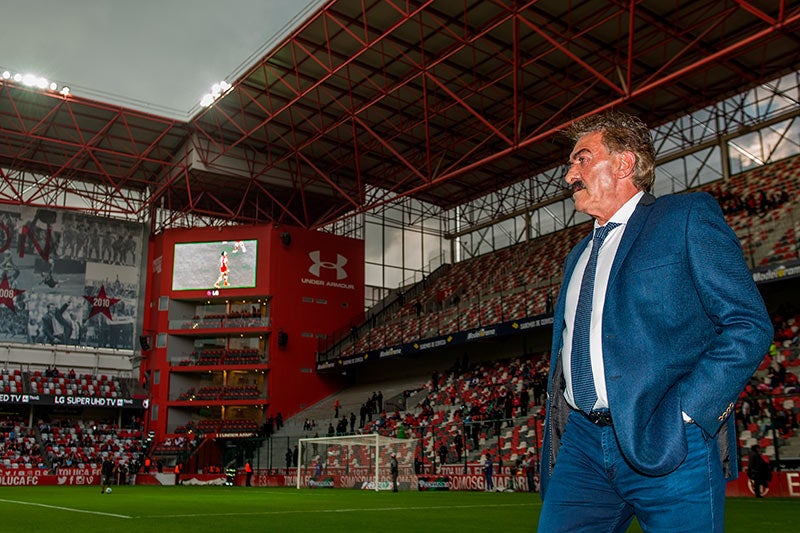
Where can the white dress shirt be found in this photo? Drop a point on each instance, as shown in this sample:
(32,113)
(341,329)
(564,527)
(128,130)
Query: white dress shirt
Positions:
(605,259)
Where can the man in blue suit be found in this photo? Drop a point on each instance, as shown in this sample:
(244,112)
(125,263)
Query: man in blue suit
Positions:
(658,325)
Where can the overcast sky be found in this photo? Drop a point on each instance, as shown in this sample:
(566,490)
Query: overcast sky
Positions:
(155,55)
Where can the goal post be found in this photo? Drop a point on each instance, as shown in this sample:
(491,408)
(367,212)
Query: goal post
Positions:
(356,458)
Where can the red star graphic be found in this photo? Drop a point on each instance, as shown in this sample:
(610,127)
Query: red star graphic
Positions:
(101,303)
(8,294)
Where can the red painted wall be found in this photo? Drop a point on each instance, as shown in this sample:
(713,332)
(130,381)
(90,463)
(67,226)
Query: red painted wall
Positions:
(315,282)
(318,287)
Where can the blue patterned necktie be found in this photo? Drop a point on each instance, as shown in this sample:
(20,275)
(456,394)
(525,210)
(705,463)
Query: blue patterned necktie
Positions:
(583,391)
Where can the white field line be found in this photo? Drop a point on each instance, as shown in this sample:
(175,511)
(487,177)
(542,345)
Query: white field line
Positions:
(322,511)
(70,509)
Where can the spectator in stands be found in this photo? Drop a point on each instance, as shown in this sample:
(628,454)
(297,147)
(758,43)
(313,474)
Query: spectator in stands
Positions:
(288,458)
(745,412)
(758,470)
(791,384)
(418,464)
(458,444)
(352,423)
(524,401)
(373,400)
(442,454)
(673,366)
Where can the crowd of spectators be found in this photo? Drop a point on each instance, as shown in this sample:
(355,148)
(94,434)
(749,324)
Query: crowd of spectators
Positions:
(484,400)
(754,203)
(85,443)
(19,447)
(54,381)
(768,411)
(491,408)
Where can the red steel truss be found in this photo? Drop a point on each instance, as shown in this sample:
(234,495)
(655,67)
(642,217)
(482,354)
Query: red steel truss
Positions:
(366,101)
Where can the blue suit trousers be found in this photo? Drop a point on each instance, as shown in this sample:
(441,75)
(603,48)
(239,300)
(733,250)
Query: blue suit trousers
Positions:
(593,488)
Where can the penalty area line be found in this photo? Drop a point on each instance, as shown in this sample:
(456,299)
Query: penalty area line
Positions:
(69,509)
(328,511)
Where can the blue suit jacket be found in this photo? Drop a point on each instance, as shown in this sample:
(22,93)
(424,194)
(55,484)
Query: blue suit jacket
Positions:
(683,329)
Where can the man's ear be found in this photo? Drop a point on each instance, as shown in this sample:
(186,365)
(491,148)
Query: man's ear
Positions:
(625,165)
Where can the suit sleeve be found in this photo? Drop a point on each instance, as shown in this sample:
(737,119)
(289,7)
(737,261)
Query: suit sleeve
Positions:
(742,330)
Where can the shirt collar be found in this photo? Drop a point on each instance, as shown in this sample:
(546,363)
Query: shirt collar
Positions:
(625,212)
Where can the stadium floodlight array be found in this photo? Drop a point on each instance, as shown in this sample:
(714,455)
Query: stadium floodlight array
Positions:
(32,80)
(217,90)
(363,460)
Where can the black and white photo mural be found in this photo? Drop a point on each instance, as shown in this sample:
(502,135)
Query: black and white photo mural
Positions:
(67,278)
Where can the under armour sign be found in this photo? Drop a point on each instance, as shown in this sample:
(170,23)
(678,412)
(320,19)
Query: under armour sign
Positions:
(317,264)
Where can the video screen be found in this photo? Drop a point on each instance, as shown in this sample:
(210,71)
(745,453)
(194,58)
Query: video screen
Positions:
(214,265)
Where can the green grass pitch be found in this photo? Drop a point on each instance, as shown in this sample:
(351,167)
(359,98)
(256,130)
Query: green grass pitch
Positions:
(238,510)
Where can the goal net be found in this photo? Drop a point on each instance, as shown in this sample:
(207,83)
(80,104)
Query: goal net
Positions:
(354,461)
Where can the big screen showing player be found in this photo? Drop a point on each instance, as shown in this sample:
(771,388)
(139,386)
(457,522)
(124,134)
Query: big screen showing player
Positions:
(214,265)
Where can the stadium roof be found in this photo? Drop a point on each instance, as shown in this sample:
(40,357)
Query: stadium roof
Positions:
(367,101)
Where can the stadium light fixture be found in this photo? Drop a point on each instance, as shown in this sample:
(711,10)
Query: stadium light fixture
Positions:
(217,90)
(35,81)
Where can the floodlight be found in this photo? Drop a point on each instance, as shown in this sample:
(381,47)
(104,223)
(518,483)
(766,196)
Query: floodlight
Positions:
(216,91)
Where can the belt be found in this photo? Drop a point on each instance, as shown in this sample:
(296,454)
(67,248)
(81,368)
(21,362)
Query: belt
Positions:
(601,417)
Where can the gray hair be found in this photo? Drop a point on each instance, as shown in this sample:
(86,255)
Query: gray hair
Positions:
(622,132)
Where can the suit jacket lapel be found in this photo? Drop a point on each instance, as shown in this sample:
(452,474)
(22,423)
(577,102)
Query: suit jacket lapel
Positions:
(632,229)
